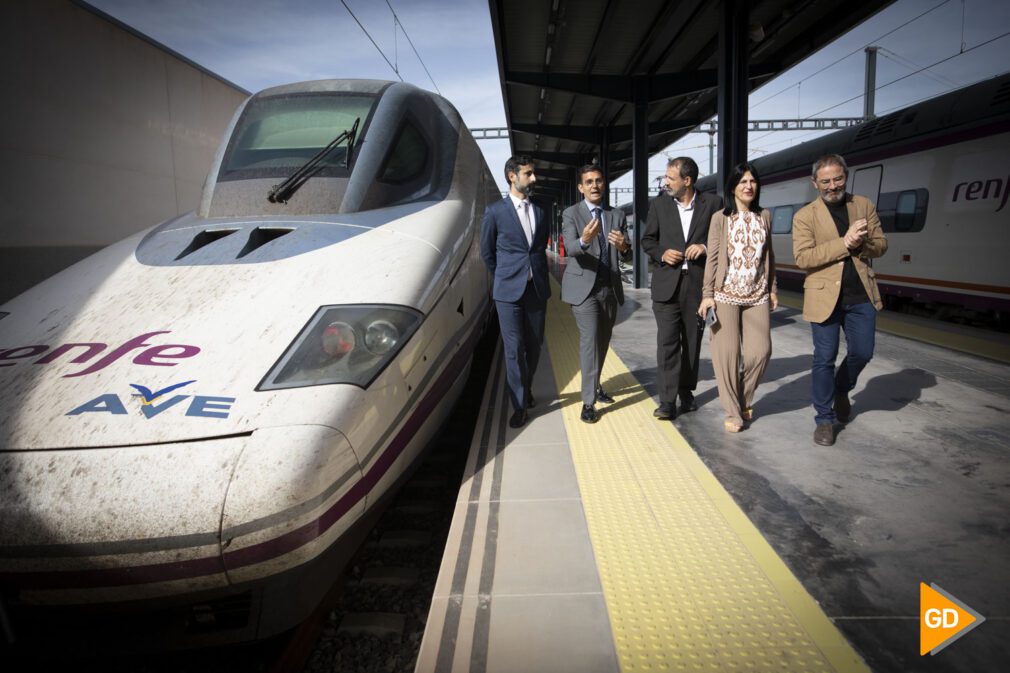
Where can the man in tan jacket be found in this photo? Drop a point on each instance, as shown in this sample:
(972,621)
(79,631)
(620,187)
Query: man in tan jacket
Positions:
(834,237)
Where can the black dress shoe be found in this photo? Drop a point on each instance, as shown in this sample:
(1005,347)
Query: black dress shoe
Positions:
(687,404)
(588,414)
(530,401)
(665,411)
(518,419)
(602,396)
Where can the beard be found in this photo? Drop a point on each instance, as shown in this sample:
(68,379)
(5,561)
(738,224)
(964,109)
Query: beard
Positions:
(526,190)
(833,197)
(675,193)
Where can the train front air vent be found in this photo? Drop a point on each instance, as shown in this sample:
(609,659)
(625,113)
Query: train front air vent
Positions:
(205,238)
(1002,95)
(260,236)
(866,130)
(886,124)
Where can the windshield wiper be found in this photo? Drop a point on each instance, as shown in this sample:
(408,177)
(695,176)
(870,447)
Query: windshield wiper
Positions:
(282,192)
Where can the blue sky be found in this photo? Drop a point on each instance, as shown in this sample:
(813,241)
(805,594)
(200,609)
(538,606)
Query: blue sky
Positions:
(262,43)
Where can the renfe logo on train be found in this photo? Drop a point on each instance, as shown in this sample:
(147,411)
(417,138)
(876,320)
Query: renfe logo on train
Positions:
(981,190)
(152,356)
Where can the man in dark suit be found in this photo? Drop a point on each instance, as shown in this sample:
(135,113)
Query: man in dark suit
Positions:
(594,244)
(675,235)
(513,244)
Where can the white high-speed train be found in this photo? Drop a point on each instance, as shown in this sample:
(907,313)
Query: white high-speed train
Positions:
(940,176)
(199,415)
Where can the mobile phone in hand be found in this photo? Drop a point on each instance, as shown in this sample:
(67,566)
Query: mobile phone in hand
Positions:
(710,317)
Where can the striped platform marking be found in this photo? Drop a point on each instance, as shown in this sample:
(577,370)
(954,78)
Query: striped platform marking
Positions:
(690,584)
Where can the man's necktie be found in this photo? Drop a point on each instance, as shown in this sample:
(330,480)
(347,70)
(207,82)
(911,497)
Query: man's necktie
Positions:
(524,219)
(604,247)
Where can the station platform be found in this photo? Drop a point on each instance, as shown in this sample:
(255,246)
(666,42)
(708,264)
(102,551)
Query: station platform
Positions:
(643,545)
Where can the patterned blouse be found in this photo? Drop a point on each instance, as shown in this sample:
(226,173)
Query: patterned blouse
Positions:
(745,283)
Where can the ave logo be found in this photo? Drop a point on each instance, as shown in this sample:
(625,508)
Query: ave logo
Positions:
(155,402)
(942,619)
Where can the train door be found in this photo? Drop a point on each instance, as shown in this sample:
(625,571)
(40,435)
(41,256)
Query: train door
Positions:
(866,182)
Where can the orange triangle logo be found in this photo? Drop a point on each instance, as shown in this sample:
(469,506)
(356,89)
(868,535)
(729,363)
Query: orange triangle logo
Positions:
(942,619)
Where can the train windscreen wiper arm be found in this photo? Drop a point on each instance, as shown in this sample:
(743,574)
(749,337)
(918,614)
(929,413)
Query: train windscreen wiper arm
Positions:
(282,192)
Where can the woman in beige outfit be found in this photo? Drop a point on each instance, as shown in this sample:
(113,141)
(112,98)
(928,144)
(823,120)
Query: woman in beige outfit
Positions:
(740,286)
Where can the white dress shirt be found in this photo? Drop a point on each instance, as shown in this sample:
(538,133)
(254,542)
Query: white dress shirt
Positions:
(518,204)
(686,215)
(603,226)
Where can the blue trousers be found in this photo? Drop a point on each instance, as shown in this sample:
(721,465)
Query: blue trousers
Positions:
(859,321)
(522,334)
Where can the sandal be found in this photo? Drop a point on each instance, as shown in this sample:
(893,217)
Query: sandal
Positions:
(748,414)
(732,426)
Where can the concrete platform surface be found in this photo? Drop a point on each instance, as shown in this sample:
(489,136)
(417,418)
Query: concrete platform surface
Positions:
(916,489)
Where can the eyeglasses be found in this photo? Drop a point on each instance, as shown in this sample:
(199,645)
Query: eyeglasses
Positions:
(837,180)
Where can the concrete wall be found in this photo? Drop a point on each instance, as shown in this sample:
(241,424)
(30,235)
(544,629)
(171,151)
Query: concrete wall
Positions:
(102,133)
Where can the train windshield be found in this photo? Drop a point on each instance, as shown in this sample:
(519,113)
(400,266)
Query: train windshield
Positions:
(276,136)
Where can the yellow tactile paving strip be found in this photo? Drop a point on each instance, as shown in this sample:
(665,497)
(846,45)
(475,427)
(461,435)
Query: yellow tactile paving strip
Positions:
(690,584)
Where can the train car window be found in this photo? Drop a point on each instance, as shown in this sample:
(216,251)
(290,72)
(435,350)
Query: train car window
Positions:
(408,158)
(782,219)
(277,135)
(904,211)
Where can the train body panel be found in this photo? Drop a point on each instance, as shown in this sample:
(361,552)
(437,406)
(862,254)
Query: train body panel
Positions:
(213,404)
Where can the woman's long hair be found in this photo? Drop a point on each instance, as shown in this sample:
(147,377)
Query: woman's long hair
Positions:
(734,179)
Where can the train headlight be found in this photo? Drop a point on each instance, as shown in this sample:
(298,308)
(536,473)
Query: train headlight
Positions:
(381,336)
(338,339)
(343,344)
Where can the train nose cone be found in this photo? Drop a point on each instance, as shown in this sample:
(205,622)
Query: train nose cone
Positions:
(295,489)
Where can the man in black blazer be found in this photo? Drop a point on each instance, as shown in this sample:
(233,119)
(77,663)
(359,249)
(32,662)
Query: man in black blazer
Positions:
(513,244)
(675,235)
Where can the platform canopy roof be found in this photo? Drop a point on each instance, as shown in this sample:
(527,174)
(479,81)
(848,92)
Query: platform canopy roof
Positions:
(570,68)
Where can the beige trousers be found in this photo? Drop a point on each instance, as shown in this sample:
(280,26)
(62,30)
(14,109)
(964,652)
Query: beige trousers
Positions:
(742,331)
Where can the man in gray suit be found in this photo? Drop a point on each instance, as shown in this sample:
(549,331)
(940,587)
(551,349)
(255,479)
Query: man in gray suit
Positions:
(594,244)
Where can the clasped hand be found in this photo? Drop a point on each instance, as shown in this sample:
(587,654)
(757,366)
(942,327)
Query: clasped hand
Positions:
(856,234)
(693,252)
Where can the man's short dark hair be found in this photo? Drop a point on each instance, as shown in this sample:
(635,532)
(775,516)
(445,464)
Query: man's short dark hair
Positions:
(589,168)
(687,167)
(513,164)
(830,160)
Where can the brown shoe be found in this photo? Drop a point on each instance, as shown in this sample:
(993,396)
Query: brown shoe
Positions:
(843,409)
(824,434)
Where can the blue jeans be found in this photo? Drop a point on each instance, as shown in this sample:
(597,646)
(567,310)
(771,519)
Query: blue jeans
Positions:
(859,322)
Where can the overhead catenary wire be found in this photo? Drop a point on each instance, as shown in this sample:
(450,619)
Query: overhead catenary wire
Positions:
(397,21)
(381,53)
(903,77)
(912,65)
(855,51)
(918,70)
(882,112)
